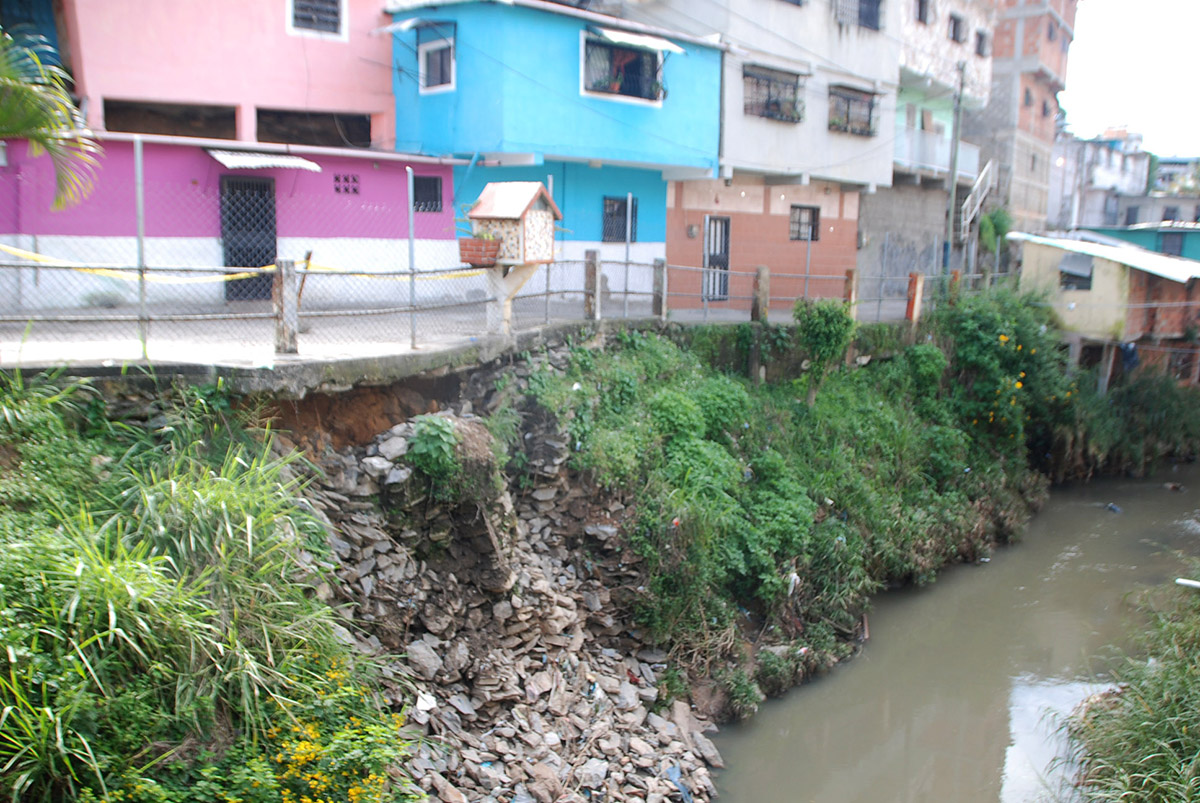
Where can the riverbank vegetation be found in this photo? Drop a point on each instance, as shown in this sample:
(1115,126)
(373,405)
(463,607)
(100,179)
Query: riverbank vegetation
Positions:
(164,635)
(161,641)
(1140,740)
(767,513)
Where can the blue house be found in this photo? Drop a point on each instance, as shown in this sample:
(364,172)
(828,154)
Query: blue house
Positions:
(598,108)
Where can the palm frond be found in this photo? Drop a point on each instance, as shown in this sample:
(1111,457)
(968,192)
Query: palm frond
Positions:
(36,105)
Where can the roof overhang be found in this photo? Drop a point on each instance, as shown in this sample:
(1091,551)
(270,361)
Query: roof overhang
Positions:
(644,41)
(250,160)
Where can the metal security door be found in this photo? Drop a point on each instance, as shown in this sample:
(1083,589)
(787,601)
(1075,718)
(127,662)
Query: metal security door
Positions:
(248,233)
(716,258)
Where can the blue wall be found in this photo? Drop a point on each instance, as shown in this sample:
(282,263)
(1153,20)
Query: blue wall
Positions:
(518,91)
(579,191)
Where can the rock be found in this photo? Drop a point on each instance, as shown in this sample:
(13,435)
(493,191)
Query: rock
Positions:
(544,785)
(463,704)
(640,746)
(627,697)
(376,466)
(592,774)
(708,750)
(446,791)
(601,531)
(544,494)
(424,661)
(393,447)
(398,476)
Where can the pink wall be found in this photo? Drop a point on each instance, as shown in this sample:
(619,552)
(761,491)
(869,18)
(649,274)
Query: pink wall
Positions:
(183,197)
(230,53)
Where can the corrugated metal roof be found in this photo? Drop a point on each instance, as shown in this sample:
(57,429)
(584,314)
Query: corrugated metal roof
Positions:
(252,160)
(509,200)
(1176,269)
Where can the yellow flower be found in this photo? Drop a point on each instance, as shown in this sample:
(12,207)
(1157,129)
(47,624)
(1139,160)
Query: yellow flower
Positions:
(1022,374)
(1019,385)
(1003,338)
(1019,347)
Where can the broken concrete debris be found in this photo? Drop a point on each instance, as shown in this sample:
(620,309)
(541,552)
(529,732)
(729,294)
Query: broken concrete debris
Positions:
(504,624)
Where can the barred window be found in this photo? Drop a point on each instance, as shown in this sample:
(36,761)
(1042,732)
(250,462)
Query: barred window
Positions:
(805,223)
(427,193)
(864,13)
(851,111)
(773,94)
(621,71)
(317,15)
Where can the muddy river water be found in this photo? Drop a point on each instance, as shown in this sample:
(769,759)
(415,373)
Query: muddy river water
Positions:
(957,694)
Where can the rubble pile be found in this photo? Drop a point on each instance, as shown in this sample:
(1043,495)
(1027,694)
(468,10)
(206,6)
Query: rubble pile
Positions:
(511,620)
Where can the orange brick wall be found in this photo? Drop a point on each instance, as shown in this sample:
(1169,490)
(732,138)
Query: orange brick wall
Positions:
(761,238)
(1160,322)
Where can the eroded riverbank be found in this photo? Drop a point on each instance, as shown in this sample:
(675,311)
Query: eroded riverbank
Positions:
(953,697)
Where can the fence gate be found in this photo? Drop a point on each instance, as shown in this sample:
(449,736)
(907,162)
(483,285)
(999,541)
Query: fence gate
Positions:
(248,233)
(716,258)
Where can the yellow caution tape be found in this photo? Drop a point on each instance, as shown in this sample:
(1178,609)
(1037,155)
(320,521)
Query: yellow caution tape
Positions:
(133,276)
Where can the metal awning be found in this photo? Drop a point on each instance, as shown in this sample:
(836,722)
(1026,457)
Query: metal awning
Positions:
(636,39)
(1076,265)
(248,160)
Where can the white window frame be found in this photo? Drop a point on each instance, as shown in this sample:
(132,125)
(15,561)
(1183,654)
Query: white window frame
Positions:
(584,91)
(343,34)
(440,44)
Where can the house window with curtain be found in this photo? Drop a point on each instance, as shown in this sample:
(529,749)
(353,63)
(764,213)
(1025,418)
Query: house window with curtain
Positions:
(805,223)
(773,94)
(852,111)
(618,70)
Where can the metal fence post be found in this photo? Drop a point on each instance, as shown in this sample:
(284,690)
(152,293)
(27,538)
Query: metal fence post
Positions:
(139,180)
(547,267)
(591,285)
(883,272)
(628,240)
(851,292)
(760,300)
(659,304)
(412,263)
(287,307)
(916,291)
(808,255)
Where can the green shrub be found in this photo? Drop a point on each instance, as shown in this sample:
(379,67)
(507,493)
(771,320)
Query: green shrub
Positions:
(431,452)
(744,694)
(676,416)
(775,673)
(724,403)
(824,329)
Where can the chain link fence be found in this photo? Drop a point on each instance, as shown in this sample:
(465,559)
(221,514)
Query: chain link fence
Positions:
(173,261)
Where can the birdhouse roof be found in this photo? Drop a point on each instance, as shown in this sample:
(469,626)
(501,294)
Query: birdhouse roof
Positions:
(510,200)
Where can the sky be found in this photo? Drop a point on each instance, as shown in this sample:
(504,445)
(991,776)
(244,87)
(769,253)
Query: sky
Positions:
(1133,63)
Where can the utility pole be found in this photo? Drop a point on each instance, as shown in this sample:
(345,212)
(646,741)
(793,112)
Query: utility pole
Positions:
(962,75)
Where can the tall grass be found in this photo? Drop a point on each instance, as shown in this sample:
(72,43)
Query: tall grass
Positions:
(153,611)
(1141,742)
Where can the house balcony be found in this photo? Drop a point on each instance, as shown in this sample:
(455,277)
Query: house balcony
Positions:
(925,153)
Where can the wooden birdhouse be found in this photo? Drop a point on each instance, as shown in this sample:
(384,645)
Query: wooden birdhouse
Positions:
(521,215)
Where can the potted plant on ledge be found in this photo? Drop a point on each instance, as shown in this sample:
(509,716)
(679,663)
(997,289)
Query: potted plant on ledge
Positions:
(480,250)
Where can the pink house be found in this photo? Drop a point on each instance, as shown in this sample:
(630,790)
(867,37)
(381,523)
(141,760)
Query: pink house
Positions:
(266,131)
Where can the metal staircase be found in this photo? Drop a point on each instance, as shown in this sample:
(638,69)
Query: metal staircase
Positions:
(984,184)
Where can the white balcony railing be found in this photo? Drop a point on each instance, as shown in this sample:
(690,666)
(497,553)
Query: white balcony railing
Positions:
(930,152)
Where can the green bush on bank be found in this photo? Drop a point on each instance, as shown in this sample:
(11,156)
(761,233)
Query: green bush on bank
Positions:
(159,644)
(768,505)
